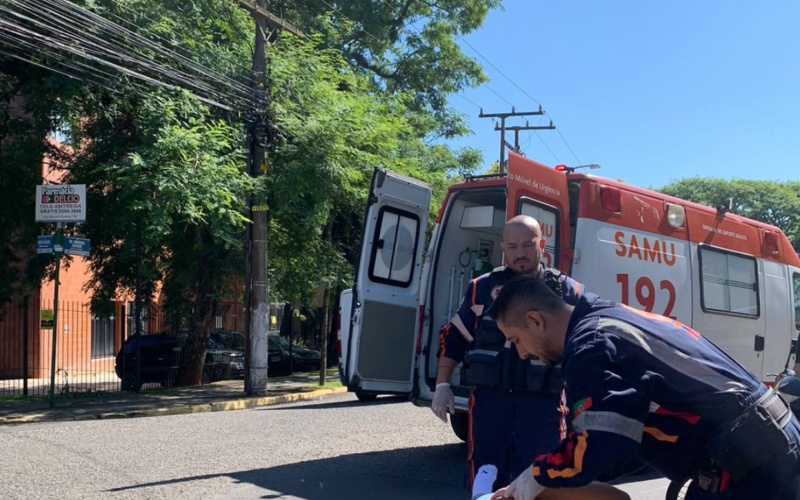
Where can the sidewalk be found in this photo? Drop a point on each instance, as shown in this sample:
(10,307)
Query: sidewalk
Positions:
(219,396)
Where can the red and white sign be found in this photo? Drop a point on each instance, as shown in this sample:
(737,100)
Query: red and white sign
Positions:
(61,203)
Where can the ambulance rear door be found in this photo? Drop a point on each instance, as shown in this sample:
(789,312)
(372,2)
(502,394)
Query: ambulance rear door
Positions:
(385,311)
(541,192)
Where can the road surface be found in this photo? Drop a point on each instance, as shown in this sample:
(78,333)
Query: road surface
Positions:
(331,449)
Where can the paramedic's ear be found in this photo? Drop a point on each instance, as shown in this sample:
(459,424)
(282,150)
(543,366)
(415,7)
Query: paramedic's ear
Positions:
(535,320)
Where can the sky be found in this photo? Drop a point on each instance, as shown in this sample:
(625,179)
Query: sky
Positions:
(652,91)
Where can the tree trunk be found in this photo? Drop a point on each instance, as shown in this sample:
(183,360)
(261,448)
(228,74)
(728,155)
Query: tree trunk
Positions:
(201,322)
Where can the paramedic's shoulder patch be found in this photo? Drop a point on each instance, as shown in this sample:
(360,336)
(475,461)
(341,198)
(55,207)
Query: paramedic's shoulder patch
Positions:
(496,291)
(581,406)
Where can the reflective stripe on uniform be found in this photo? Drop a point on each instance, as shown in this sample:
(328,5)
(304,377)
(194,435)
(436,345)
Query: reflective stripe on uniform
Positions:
(477,309)
(660,435)
(607,421)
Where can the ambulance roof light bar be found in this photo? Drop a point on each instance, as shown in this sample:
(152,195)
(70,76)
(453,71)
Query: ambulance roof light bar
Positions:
(569,170)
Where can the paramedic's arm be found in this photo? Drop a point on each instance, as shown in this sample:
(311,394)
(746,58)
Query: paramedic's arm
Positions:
(797,356)
(454,340)
(609,414)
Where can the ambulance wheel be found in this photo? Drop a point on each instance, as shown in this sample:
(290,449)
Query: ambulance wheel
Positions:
(677,490)
(366,396)
(460,424)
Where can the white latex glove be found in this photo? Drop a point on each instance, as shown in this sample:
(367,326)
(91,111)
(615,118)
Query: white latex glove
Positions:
(443,401)
(524,487)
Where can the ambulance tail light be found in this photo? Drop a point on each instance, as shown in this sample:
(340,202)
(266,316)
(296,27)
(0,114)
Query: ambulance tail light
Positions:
(771,241)
(676,216)
(611,198)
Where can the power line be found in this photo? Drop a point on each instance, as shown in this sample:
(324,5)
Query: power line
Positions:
(510,80)
(77,34)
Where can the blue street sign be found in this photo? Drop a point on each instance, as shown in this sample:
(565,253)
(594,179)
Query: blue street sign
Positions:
(76,246)
(44,244)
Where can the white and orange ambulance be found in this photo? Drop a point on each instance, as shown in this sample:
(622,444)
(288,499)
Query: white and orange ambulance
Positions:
(731,278)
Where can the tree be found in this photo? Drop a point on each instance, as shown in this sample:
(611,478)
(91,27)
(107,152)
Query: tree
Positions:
(403,46)
(776,203)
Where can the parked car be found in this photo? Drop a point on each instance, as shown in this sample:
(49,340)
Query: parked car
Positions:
(278,351)
(303,360)
(161,358)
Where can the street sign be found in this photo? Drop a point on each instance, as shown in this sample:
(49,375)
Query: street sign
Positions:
(44,244)
(61,203)
(76,246)
(46,318)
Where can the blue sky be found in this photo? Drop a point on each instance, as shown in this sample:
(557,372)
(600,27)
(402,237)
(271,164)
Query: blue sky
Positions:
(652,91)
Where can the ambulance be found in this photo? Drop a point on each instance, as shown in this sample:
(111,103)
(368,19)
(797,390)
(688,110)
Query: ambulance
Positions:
(733,279)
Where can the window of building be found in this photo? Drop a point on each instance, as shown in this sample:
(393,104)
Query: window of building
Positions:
(729,282)
(132,319)
(395,247)
(103,337)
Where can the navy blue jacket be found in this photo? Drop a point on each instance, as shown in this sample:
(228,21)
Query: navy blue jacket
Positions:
(640,384)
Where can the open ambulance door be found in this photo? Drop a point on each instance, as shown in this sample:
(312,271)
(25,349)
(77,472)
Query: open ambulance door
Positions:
(385,311)
(541,192)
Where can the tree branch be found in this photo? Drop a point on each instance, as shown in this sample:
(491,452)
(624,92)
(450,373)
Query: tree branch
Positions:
(364,63)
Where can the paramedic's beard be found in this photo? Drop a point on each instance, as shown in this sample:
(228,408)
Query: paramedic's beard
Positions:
(528,267)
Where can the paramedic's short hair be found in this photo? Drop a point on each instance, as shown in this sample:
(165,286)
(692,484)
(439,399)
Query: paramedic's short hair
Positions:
(522,294)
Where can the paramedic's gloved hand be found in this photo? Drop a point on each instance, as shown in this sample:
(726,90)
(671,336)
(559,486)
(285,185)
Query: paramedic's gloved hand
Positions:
(524,487)
(443,401)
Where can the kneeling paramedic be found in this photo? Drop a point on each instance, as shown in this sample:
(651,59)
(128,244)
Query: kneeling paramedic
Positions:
(515,406)
(642,384)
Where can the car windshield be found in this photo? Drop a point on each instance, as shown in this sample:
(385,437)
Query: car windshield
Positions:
(279,342)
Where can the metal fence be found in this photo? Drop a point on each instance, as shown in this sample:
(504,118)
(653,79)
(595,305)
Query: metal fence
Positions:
(86,344)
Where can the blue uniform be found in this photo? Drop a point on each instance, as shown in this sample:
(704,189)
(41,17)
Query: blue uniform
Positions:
(643,385)
(510,424)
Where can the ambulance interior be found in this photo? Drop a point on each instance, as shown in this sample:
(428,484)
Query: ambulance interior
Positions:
(468,246)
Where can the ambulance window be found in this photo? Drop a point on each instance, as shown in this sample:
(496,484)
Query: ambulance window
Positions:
(394,248)
(548,220)
(729,282)
(796,298)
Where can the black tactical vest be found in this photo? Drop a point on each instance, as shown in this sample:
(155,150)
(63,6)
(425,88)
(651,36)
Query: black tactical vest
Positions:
(493,363)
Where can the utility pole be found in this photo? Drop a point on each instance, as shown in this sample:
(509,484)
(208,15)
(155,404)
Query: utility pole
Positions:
(256,256)
(258,307)
(517,128)
(503,117)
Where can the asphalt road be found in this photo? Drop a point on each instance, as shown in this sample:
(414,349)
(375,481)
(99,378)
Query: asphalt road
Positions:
(332,449)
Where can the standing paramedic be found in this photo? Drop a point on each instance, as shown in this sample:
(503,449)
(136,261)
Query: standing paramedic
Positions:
(639,384)
(515,407)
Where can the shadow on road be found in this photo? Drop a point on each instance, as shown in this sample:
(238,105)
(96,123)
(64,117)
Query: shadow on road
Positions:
(424,472)
(338,404)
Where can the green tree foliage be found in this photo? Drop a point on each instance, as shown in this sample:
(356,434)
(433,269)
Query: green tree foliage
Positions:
(776,203)
(331,132)
(23,144)
(403,46)
(341,102)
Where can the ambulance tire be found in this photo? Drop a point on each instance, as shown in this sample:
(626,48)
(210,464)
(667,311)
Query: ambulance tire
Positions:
(366,396)
(460,424)
(677,490)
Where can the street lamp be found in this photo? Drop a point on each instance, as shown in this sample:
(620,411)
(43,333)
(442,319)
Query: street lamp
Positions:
(569,170)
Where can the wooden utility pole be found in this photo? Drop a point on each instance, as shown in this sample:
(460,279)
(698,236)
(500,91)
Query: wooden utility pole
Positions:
(503,117)
(256,255)
(517,128)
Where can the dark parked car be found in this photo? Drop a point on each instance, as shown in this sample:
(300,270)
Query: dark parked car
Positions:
(161,358)
(303,360)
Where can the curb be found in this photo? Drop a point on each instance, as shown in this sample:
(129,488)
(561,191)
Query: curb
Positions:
(236,404)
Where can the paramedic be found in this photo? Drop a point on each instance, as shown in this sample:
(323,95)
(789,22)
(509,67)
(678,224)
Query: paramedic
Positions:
(515,407)
(642,384)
